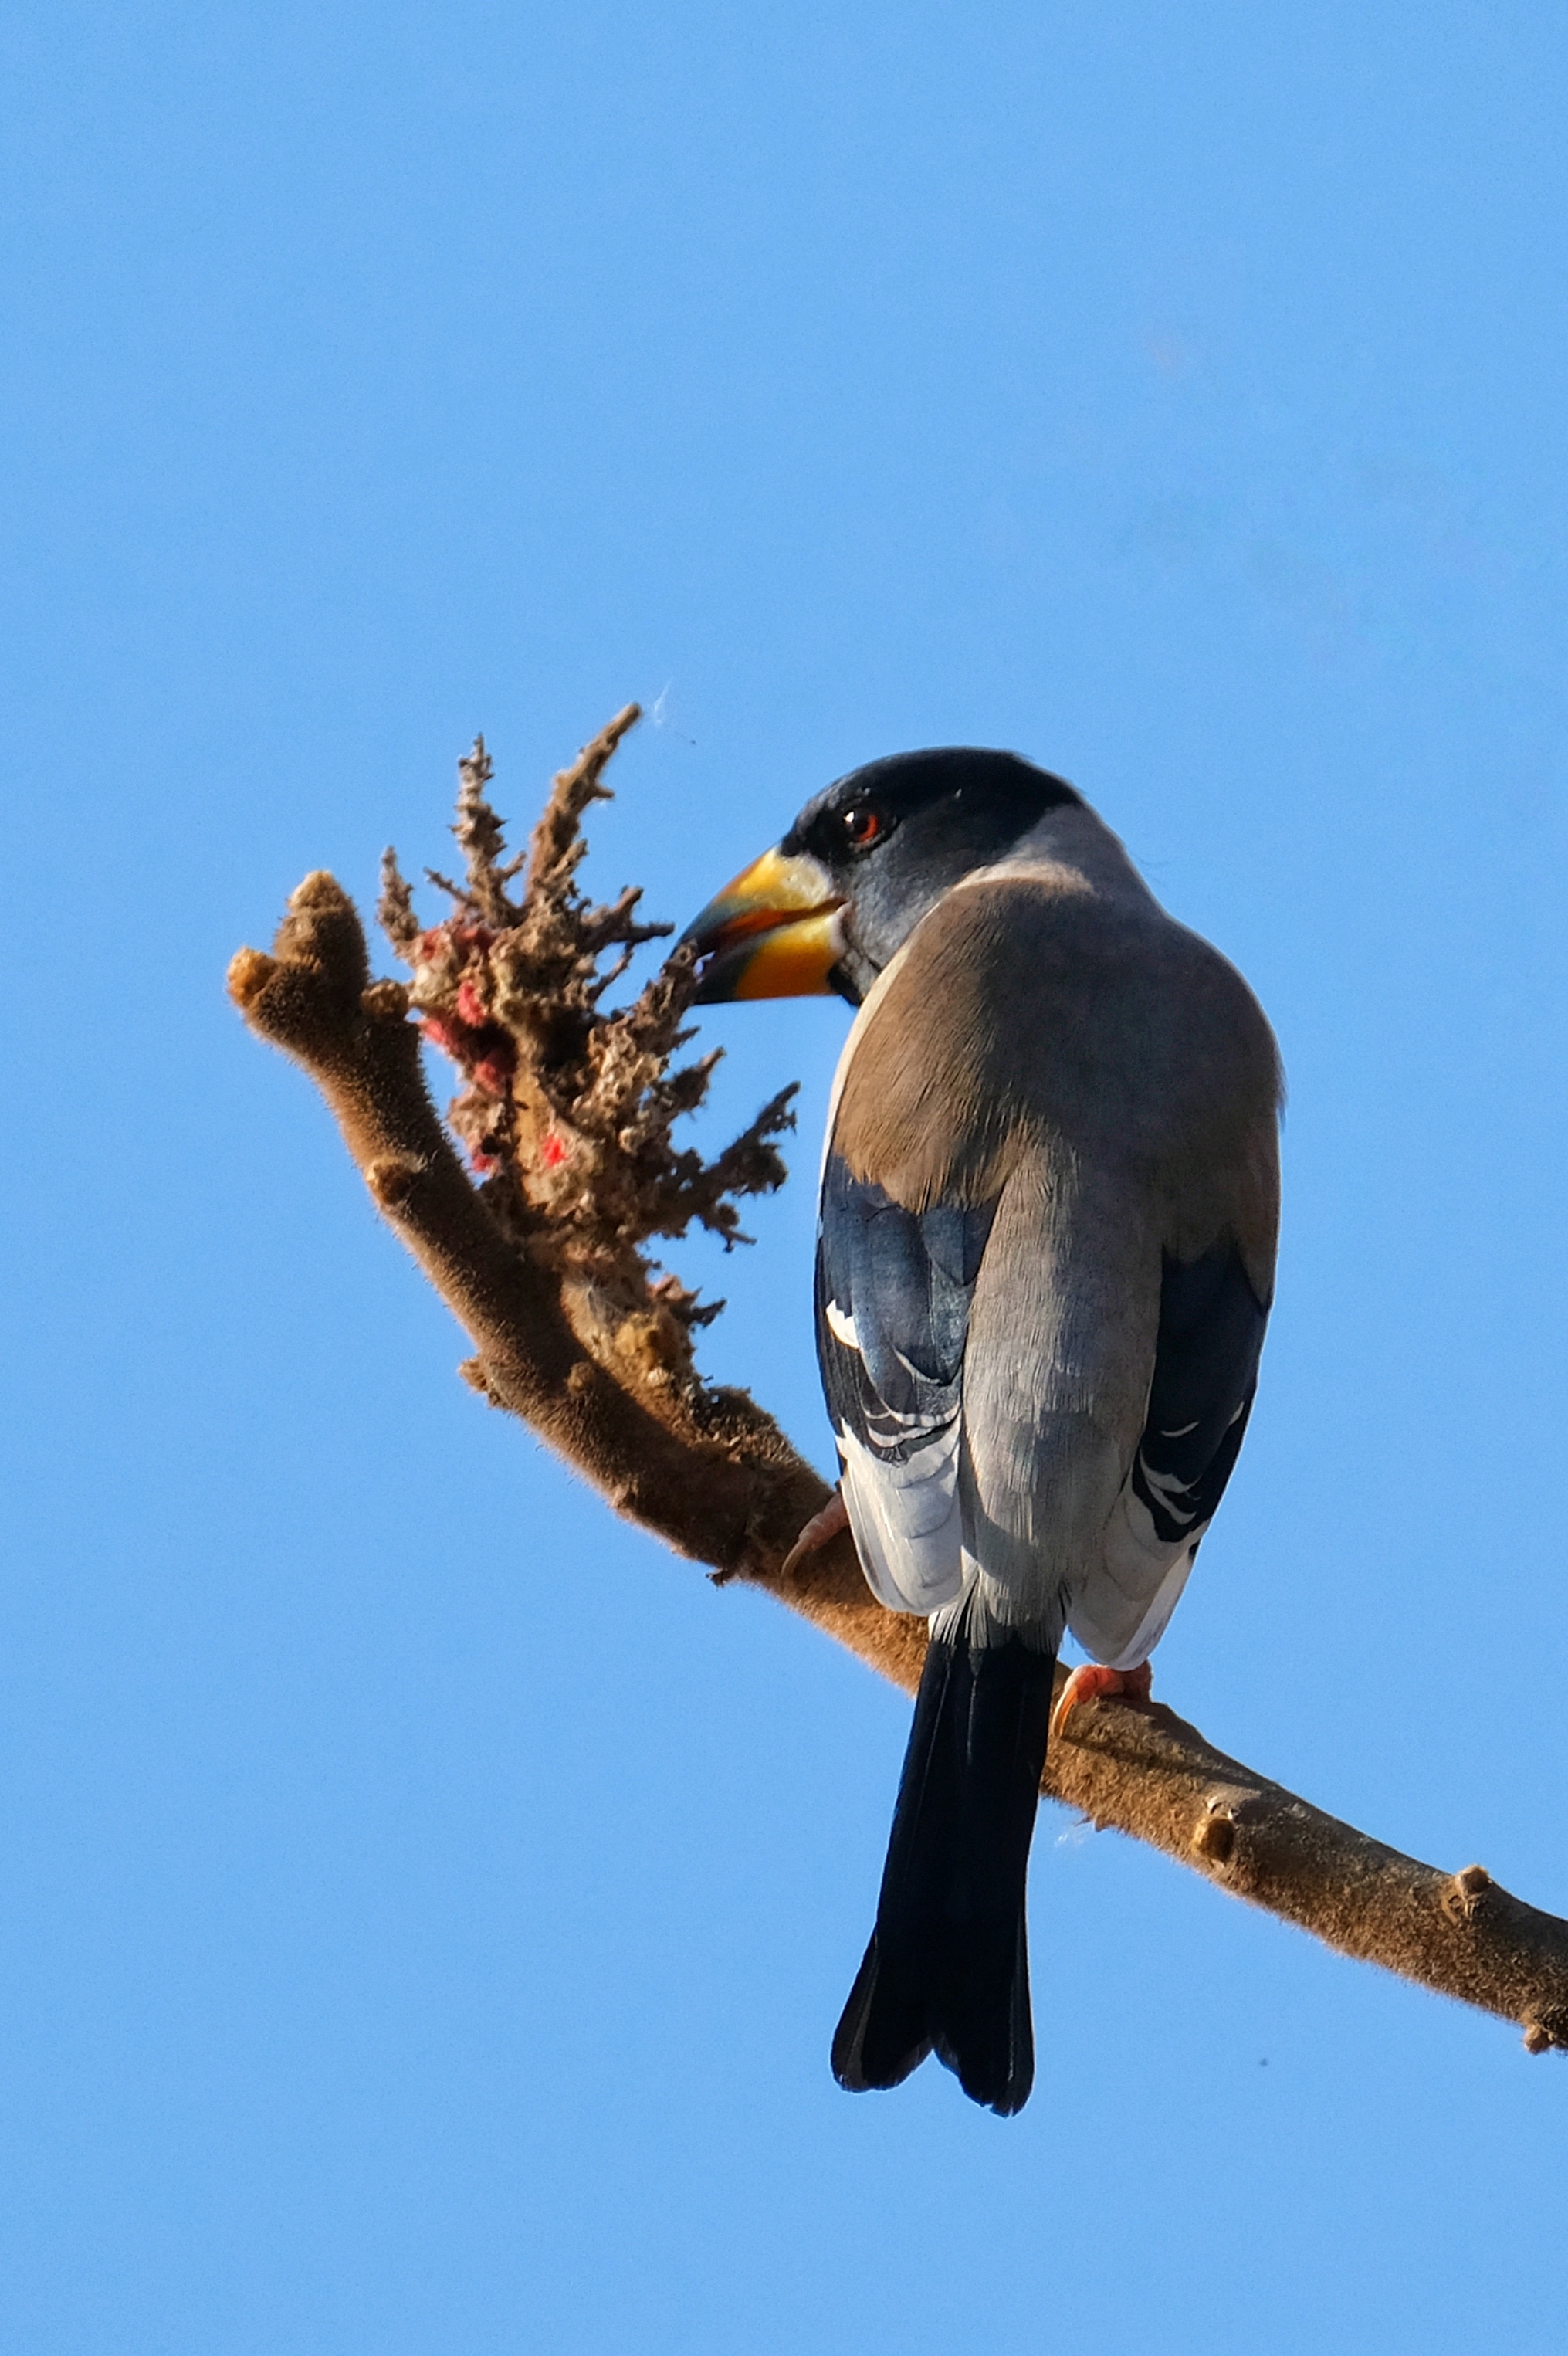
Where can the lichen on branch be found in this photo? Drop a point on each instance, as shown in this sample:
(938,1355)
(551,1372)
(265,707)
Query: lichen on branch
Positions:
(567,1107)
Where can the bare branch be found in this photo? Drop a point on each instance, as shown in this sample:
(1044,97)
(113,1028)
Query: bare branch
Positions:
(565,1114)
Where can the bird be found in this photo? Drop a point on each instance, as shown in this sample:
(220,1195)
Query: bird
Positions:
(1045,1261)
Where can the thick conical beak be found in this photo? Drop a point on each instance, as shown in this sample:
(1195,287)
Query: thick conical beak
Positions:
(774,933)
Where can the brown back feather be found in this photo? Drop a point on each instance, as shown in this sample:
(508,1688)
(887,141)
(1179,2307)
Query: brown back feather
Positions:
(1036,1013)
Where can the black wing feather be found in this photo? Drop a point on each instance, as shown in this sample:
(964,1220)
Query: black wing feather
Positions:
(906,1279)
(1206,1357)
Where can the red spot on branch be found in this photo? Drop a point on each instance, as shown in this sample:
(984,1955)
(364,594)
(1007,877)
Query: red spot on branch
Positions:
(493,1071)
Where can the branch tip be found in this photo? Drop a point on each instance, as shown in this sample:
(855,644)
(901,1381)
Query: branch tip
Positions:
(320,892)
(250,971)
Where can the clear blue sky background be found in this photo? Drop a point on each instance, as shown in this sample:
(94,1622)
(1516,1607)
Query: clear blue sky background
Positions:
(423,1904)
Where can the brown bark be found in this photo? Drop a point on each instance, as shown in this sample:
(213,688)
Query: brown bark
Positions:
(567,1110)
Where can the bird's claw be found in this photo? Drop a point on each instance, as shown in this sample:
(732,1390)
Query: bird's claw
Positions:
(1093,1681)
(820,1531)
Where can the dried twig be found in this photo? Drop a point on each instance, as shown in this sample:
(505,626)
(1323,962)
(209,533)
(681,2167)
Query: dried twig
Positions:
(565,1114)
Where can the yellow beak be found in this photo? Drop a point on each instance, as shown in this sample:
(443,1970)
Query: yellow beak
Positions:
(773,933)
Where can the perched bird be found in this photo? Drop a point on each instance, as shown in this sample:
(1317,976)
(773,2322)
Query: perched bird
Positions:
(1045,1259)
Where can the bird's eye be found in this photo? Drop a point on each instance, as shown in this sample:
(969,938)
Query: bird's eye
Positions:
(863,825)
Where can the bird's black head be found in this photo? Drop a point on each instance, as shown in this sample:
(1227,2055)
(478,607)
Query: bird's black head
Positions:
(895,835)
(860,866)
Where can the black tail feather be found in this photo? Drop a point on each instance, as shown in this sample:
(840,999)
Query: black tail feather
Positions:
(947,1967)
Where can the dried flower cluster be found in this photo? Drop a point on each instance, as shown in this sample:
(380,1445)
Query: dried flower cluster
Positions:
(567,1109)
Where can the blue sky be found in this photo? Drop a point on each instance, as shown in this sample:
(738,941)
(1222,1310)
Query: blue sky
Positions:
(424,1905)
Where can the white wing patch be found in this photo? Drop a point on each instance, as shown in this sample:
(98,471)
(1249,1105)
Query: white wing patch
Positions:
(841,1325)
(906,1521)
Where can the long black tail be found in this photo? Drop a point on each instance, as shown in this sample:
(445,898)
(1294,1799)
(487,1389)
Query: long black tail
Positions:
(947,1968)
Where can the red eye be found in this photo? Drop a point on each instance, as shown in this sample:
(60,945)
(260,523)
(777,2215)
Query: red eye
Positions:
(862,826)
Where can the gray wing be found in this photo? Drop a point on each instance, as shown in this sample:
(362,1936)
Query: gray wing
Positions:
(893,1290)
(1210,1336)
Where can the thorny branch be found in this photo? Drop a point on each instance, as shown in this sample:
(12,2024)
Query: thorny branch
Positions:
(565,1114)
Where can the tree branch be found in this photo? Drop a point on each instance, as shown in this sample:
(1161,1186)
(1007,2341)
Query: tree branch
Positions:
(565,1114)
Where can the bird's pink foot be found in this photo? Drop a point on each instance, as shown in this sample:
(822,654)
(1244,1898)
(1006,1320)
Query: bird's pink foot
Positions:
(820,1531)
(1096,1682)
